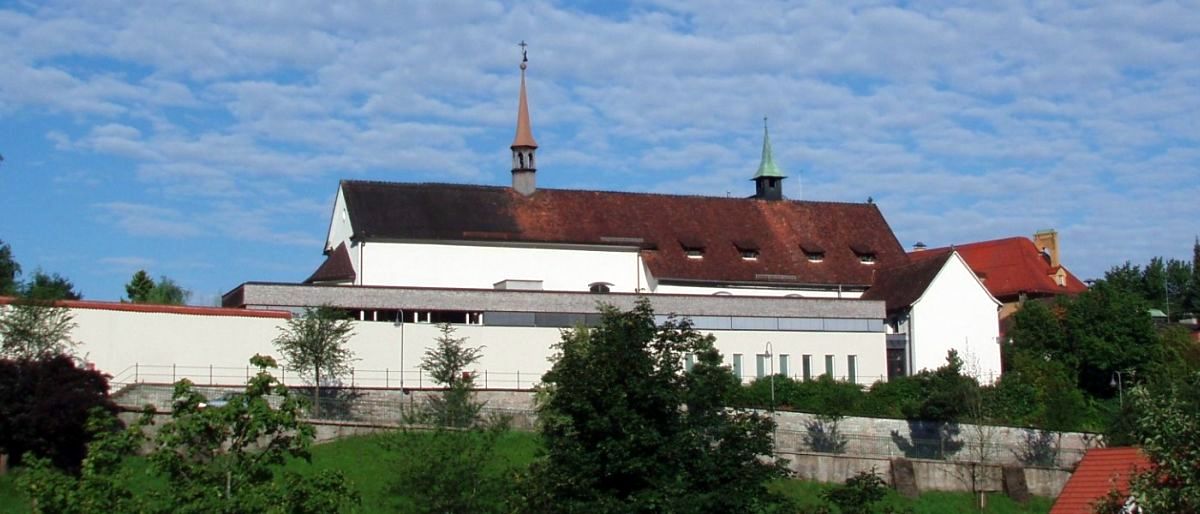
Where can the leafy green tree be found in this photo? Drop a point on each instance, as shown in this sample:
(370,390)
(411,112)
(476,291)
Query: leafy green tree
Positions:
(223,459)
(859,494)
(49,287)
(35,329)
(44,408)
(139,287)
(1167,425)
(626,429)
(103,483)
(9,271)
(211,459)
(167,292)
(448,363)
(315,346)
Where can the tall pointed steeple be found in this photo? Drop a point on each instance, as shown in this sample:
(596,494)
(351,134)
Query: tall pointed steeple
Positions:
(524,147)
(768,182)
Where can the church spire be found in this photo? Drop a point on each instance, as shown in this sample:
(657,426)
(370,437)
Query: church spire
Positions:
(524,147)
(768,182)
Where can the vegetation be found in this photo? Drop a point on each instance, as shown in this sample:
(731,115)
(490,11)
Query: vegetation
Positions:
(210,459)
(627,429)
(9,271)
(49,287)
(143,289)
(314,345)
(34,330)
(44,409)
(448,363)
(1166,430)
(1170,285)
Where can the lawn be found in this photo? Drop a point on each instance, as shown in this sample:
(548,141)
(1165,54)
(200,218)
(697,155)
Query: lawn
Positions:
(366,462)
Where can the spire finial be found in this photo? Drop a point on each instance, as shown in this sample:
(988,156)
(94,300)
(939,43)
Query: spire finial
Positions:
(524,54)
(767,167)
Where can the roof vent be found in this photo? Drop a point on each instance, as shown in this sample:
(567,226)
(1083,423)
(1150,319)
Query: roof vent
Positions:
(919,247)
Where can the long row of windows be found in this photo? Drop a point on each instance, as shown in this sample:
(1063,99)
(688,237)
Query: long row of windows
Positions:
(764,361)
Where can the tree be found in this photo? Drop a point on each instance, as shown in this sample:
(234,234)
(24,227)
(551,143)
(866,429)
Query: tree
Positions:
(143,289)
(49,288)
(212,459)
(168,292)
(35,329)
(627,429)
(315,345)
(44,408)
(448,471)
(139,287)
(9,271)
(1166,429)
(447,363)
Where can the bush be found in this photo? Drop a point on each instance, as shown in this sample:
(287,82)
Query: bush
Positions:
(860,493)
(44,408)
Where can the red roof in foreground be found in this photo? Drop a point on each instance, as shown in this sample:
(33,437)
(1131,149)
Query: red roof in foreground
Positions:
(1009,267)
(162,309)
(1100,471)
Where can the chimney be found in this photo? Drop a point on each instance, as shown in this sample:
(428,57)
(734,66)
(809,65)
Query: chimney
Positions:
(919,247)
(1046,242)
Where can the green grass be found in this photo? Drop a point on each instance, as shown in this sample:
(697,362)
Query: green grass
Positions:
(366,462)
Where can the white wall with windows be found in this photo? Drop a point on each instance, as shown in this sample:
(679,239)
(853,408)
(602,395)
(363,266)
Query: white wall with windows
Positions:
(215,348)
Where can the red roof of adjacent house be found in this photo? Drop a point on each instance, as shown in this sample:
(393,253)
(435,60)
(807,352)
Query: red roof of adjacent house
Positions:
(662,226)
(161,309)
(1009,267)
(1101,470)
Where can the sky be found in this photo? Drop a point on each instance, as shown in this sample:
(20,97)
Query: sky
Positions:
(204,141)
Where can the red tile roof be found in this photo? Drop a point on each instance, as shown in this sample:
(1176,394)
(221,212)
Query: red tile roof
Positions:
(1101,470)
(336,268)
(1010,267)
(661,225)
(162,309)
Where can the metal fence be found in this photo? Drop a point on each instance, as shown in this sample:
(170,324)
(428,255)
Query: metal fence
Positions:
(357,378)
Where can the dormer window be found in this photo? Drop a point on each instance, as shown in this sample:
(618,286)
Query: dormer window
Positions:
(692,248)
(812,251)
(600,287)
(748,250)
(865,254)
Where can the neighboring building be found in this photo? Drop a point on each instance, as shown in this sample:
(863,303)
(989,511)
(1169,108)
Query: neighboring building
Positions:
(933,305)
(1015,269)
(1100,471)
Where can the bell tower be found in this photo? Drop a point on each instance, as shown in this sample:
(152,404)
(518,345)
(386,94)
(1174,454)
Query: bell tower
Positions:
(768,182)
(524,147)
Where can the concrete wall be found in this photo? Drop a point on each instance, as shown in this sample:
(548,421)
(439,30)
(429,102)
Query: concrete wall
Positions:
(931,475)
(956,312)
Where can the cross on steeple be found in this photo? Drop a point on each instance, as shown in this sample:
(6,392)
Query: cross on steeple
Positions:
(524,54)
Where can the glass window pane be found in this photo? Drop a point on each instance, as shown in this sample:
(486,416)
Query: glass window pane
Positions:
(806,362)
(852,369)
(760,363)
(829,366)
(737,365)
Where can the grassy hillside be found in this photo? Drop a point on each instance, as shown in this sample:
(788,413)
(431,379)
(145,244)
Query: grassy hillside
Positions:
(367,463)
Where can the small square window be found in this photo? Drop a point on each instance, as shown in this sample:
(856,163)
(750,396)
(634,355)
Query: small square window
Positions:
(866,258)
(750,255)
(694,253)
(814,256)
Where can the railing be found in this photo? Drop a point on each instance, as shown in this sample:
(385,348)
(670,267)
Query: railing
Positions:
(356,378)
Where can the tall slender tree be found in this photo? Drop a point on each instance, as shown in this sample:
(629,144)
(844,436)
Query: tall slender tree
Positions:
(9,271)
(315,345)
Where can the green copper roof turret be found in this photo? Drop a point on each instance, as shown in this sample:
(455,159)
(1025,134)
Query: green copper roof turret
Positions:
(767,168)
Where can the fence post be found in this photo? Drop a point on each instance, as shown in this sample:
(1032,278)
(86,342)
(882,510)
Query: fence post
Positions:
(172,372)
(351,378)
(518,379)
(247,373)
(485,382)
(135,373)
(387,382)
(210,374)
(420,378)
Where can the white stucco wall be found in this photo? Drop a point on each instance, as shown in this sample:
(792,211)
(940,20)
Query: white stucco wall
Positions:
(481,266)
(163,347)
(340,228)
(753,291)
(956,311)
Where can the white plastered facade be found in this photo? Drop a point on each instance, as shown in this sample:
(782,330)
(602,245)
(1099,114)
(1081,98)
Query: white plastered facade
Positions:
(956,312)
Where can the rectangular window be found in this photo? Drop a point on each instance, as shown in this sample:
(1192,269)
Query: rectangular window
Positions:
(688,362)
(806,363)
(783,365)
(852,369)
(829,366)
(760,362)
(737,365)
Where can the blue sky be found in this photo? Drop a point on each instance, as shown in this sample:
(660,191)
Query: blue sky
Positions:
(204,140)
